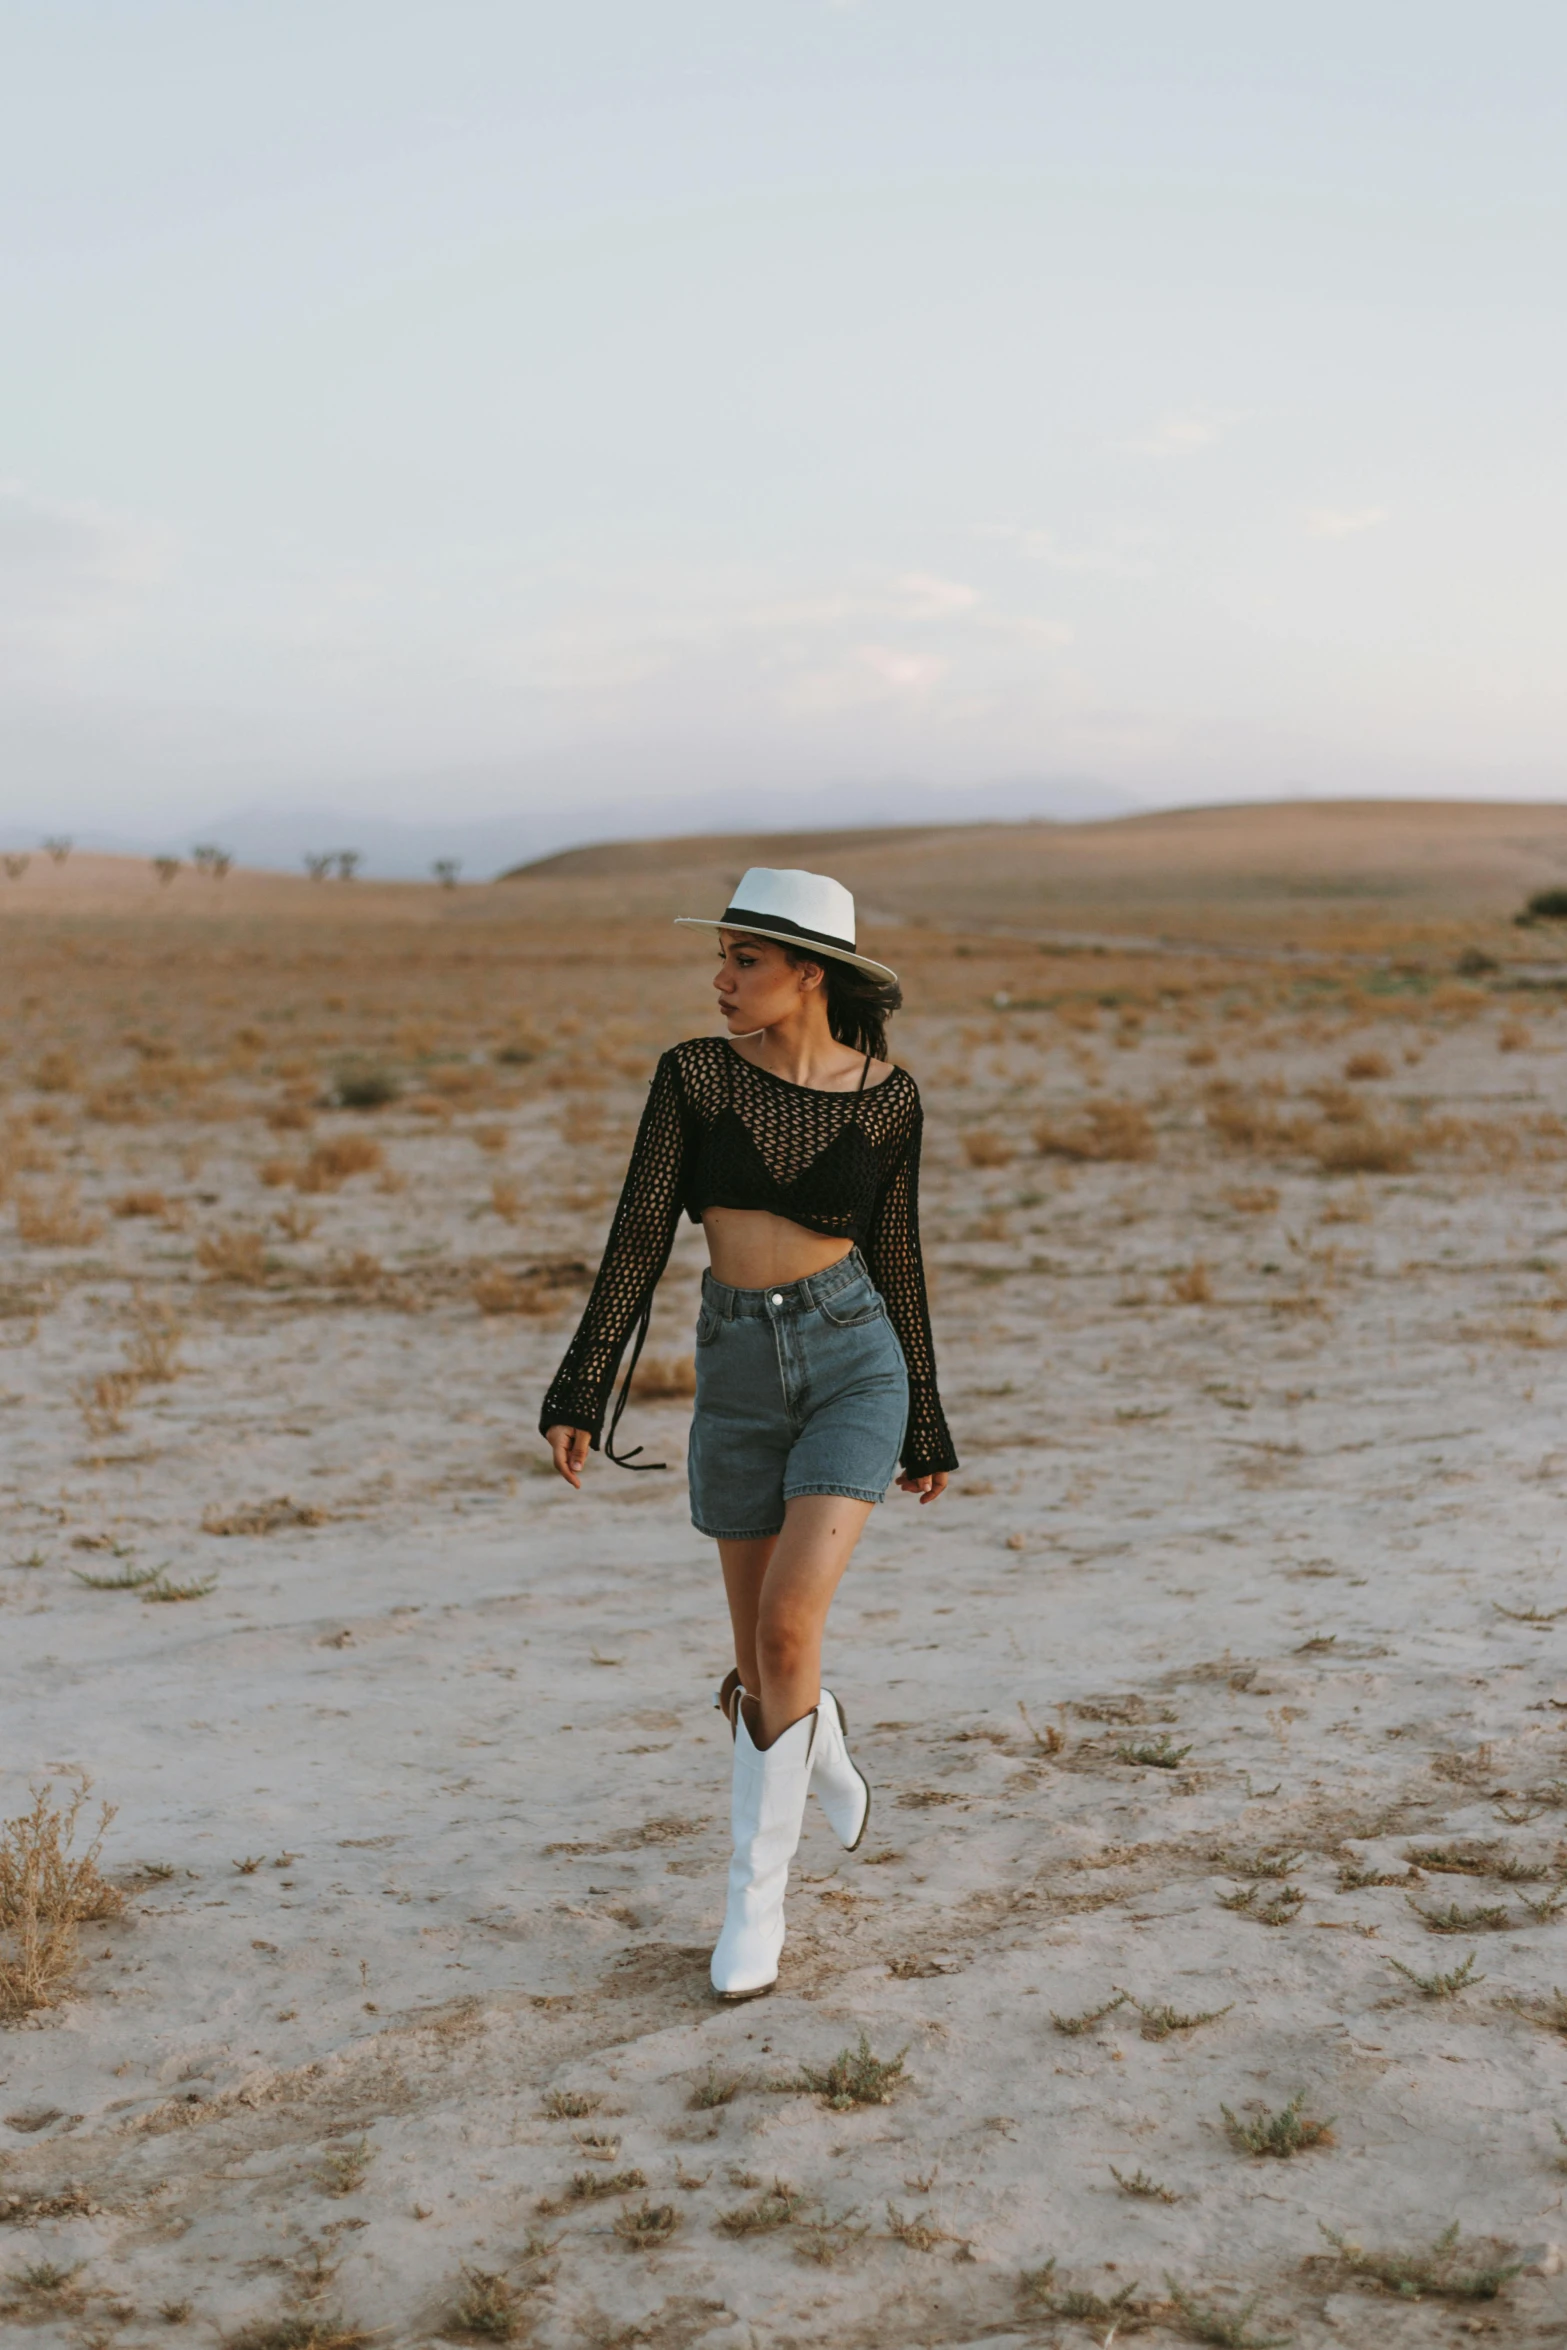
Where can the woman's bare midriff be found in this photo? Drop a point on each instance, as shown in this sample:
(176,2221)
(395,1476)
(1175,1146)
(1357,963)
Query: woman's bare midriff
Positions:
(750,1249)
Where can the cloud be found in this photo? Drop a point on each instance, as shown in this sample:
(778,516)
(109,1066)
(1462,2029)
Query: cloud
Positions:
(52,547)
(1339,522)
(905,671)
(932,598)
(1118,558)
(1182,435)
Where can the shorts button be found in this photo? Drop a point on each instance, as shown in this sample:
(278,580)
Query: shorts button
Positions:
(778,1297)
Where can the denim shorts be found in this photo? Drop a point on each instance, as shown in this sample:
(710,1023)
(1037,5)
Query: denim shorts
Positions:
(799,1390)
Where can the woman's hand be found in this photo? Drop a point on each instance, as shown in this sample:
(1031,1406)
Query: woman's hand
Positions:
(569,1448)
(929,1488)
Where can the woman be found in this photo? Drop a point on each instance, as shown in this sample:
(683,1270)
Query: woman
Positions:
(795,1144)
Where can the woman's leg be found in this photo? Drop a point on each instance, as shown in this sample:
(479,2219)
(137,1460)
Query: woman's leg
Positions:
(780,1590)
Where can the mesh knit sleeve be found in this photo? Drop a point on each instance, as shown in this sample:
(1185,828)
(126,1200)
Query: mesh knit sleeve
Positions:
(892,1251)
(635,1255)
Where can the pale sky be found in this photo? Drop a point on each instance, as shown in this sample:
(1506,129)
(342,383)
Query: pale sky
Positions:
(454,408)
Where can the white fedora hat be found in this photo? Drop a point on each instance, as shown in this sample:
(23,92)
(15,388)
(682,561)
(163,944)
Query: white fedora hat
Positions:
(797,909)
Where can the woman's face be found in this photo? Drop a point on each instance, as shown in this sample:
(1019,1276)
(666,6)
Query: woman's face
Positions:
(758,985)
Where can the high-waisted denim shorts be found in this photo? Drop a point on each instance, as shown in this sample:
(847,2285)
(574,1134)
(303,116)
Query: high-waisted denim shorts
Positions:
(799,1390)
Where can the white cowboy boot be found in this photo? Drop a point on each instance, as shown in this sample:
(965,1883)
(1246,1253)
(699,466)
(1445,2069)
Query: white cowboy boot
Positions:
(841,1789)
(766,1809)
(839,1786)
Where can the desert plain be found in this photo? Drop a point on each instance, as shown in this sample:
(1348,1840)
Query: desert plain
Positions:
(1203,1975)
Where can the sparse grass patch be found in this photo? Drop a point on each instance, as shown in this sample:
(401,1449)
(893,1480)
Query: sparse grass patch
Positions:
(591,2186)
(1289,2131)
(1160,2022)
(1038,2289)
(1193,1286)
(362,1085)
(237,1254)
(1352,1878)
(129,1578)
(650,2225)
(488,2305)
(775,2208)
(1226,2329)
(344,2168)
(46,1892)
(1074,2026)
(262,1517)
(496,1292)
(1364,1146)
(1487,1918)
(1282,1910)
(916,2230)
(1437,1986)
(300,2331)
(856,2077)
(1252,1199)
(983,1148)
(1155,1754)
(1439,2272)
(664,1375)
(1142,2186)
(331,1163)
(718,2089)
(569,2105)
(161,1591)
(54,1219)
(1105,1131)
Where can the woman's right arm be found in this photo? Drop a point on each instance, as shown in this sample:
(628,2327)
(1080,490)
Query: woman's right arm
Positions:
(635,1255)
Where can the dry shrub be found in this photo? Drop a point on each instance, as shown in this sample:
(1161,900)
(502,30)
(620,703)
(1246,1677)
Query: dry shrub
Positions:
(23,1154)
(1193,1286)
(1365,1065)
(496,1292)
(55,1220)
(290,1117)
(1252,1199)
(263,1517)
(982,1148)
(491,1139)
(234,1254)
(1251,1121)
(1456,1000)
(361,1271)
(1513,1037)
(141,1203)
(56,1072)
(46,1892)
(431,1105)
(1201,1055)
(1105,1131)
(1363,1146)
(117,1105)
(331,1163)
(581,1122)
(104,1402)
(664,1375)
(295,1222)
(506,1198)
(275,1173)
(460,1082)
(1077,1012)
(152,1352)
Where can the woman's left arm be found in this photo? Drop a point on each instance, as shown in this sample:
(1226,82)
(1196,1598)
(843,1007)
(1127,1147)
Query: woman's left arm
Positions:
(897,1266)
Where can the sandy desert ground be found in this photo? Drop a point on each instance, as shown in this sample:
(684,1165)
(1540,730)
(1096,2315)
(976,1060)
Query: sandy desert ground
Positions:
(1217,1719)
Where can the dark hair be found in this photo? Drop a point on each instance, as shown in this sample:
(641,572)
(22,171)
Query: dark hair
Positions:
(858,1006)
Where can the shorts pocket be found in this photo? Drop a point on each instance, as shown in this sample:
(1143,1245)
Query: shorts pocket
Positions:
(853,1307)
(708,1325)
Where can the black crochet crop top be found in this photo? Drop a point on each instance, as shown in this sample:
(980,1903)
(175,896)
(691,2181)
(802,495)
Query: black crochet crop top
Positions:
(719,1132)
